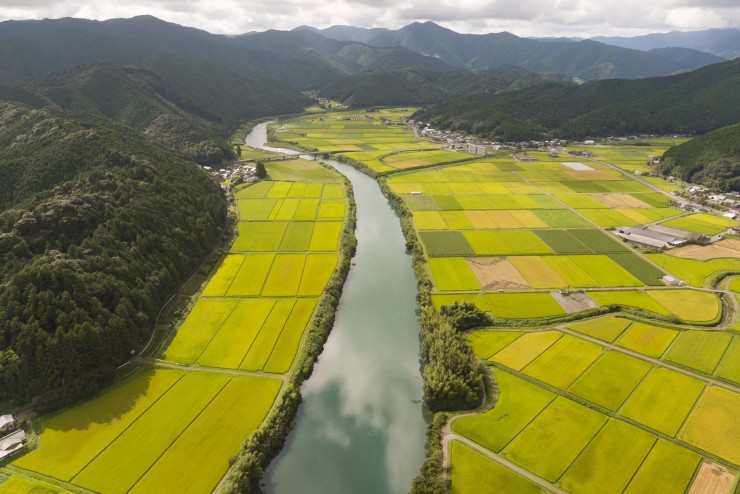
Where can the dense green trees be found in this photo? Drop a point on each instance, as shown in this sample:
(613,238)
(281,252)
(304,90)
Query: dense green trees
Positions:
(260,170)
(452,373)
(97,228)
(464,316)
(712,160)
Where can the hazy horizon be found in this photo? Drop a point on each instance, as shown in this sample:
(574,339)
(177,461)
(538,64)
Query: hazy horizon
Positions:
(526,18)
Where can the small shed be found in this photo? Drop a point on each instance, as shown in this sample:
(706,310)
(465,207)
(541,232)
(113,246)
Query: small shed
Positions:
(6,422)
(672,281)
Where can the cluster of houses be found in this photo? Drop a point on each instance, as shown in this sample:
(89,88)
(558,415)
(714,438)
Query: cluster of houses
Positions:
(325,102)
(355,118)
(239,174)
(13,439)
(729,201)
(458,141)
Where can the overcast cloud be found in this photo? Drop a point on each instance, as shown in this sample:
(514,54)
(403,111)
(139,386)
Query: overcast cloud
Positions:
(522,17)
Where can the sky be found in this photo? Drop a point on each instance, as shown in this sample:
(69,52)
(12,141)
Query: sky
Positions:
(575,18)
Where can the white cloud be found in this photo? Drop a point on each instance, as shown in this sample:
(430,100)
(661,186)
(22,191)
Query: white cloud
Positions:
(522,17)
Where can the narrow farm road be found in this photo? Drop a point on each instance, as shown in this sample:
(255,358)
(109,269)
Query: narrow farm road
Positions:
(501,461)
(213,370)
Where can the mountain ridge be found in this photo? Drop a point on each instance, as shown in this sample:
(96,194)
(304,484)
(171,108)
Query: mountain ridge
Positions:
(694,102)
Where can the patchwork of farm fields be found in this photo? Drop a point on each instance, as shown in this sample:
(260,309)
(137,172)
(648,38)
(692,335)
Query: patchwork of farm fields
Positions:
(577,408)
(175,424)
(607,404)
(531,226)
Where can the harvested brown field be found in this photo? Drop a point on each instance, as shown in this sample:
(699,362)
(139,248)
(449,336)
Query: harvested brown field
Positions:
(480,219)
(620,201)
(574,301)
(496,272)
(713,479)
(723,248)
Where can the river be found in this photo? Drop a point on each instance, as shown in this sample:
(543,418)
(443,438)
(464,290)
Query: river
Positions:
(360,428)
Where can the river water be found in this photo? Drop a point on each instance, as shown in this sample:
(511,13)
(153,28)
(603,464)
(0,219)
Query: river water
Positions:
(360,428)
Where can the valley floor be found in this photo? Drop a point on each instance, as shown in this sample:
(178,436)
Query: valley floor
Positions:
(606,378)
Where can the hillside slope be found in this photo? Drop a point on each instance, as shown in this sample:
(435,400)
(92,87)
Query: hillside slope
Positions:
(97,228)
(419,87)
(693,103)
(712,159)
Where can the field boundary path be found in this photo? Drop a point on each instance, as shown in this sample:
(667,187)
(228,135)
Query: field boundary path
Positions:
(163,364)
(523,472)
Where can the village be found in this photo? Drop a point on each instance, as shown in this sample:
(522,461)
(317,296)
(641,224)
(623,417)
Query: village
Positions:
(692,198)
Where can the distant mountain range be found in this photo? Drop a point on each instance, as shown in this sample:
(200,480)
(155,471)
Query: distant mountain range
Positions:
(721,42)
(307,58)
(584,59)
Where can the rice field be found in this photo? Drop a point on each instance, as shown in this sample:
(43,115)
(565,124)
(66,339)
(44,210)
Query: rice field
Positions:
(544,376)
(598,384)
(565,427)
(452,273)
(490,224)
(605,329)
(712,425)
(667,468)
(519,404)
(610,460)
(700,350)
(170,407)
(687,305)
(23,485)
(505,242)
(525,349)
(523,305)
(647,339)
(486,343)
(676,393)
(692,271)
(729,366)
(563,361)
(439,244)
(474,473)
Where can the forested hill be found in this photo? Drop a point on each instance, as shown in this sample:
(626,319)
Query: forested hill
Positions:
(97,228)
(104,210)
(695,103)
(419,87)
(712,159)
